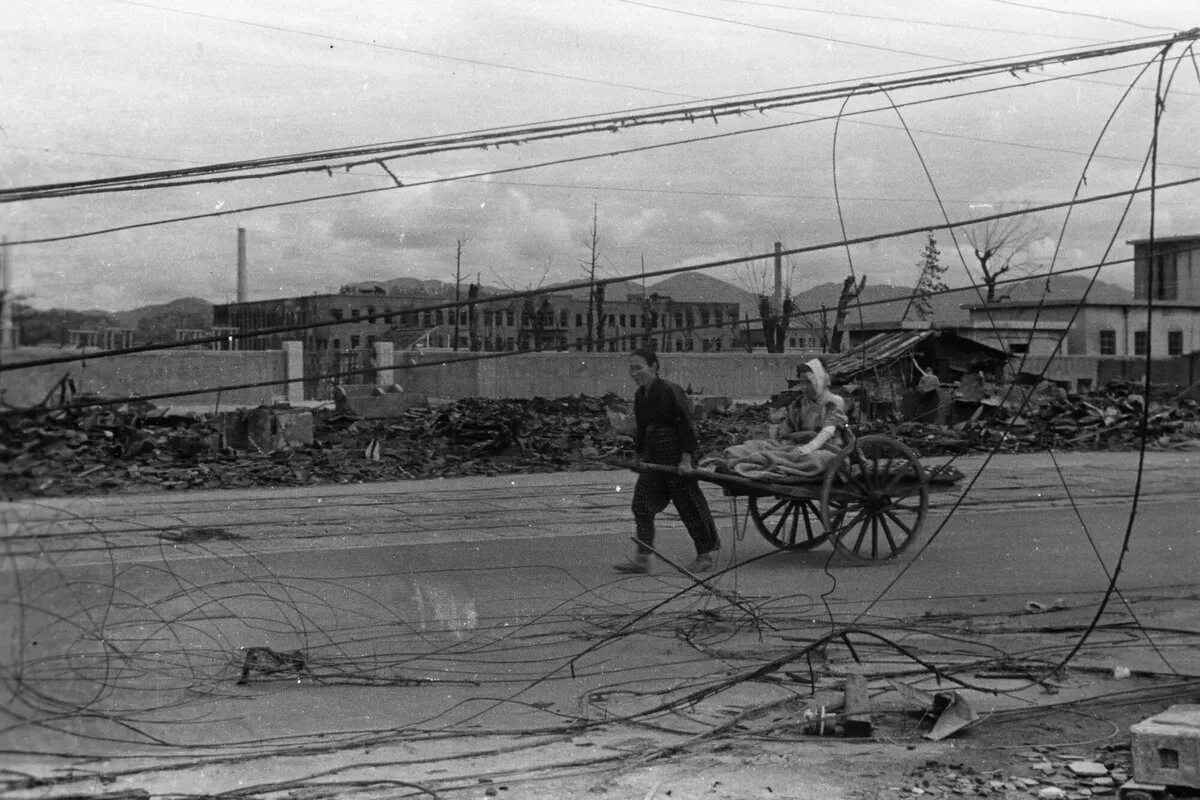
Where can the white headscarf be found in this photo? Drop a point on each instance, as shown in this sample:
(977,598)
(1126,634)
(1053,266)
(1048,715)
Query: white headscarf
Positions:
(820,378)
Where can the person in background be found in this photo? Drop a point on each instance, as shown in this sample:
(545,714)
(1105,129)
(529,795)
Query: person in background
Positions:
(665,435)
(817,418)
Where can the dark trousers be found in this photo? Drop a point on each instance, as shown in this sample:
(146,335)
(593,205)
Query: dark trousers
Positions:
(654,490)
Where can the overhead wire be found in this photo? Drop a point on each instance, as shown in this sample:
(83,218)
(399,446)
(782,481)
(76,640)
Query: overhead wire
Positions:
(1083,14)
(912,21)
(1112,579)
(583,284)
(465,357)
(1153,185)
(459,177)
(341,158)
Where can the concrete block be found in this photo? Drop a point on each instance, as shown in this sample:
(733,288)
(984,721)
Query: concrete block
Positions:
(267,429)
(374,402)
(1166,747)
(707,403)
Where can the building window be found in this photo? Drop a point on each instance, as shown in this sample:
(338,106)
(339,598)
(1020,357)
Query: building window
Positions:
(633,320)
(622,320)
(578,343)
(355,341)
(1108,343)
(1174,343)
(508,315)
(579,320)
(563,318)
(337,313)
(337,344)
(1019,348)
(791,341)
(354,313)
(1140,343)
(370,311)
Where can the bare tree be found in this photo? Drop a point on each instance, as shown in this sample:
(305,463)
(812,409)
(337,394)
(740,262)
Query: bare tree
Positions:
(594,333)
(536,315)
(849,292)
(1001,246)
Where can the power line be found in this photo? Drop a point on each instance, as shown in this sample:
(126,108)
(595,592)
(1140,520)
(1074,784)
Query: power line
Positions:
(912,21)
(344,158)
(480,356)
(1101,17)
(584,284)
(408,50)
(802,34)
(488,173)
(811,117)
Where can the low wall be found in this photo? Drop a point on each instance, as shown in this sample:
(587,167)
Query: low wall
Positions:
(445,375)
(165,371)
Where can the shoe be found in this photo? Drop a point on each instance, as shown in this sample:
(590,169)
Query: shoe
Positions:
(702,563)
(638,565)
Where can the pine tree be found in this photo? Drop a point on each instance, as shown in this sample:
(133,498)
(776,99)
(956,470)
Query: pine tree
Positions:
(931,281)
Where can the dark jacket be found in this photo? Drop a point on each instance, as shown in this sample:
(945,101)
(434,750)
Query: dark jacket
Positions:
(664,405)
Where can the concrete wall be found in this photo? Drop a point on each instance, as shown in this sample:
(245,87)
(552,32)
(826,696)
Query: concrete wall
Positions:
(445,375)
(1175,374)
(150,373)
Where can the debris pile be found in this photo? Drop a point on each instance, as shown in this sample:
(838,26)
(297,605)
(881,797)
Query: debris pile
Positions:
(1040,772)
(133,446)
(1046,417)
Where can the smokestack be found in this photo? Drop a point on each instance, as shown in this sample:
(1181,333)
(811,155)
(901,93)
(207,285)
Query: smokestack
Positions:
(777,295)
(241,266)
(8,338)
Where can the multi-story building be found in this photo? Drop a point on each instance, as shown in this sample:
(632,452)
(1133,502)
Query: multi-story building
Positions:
(365,313)
(1167,273)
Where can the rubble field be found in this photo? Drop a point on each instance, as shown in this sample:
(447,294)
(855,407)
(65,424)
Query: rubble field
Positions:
(101,446)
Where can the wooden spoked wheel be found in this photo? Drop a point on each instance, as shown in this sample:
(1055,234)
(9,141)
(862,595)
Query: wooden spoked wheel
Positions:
(874,499)
(789,523)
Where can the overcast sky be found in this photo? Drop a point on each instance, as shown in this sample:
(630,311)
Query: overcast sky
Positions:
(98,88)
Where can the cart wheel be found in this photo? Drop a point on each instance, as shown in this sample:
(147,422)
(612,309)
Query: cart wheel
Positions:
(788,522)
(874,499)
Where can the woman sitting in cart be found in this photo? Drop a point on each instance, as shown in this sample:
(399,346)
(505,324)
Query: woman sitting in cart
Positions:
(817,419)
(806,436)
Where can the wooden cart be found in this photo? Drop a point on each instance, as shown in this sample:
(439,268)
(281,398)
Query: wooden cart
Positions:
(871,501)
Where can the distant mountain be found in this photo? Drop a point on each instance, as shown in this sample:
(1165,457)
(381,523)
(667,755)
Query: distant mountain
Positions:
(1063,287)
(696,287)
(190,307)
(158,323)
(886,303)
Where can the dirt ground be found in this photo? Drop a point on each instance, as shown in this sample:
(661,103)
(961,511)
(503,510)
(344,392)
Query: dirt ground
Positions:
(1014,755)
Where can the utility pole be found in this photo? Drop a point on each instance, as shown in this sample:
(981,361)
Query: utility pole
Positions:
(457,287)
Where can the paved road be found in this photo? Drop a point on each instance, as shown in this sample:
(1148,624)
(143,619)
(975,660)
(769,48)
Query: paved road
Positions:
(404,595)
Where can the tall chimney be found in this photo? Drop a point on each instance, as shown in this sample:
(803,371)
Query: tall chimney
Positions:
(777,295)
(241,266)
(7,330)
